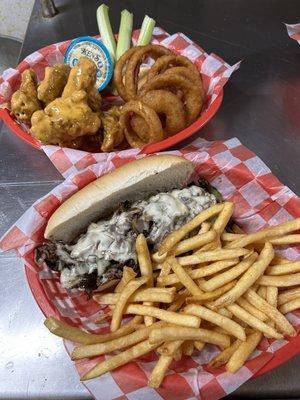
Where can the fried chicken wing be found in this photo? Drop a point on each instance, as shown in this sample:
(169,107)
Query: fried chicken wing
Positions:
(24,102)
(54,82)
(112,131)
(65,119)
(83,77)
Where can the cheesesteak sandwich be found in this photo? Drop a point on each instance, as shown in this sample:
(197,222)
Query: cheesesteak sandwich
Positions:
(91,236)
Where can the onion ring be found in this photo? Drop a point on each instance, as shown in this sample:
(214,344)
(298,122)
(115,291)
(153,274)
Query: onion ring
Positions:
(151,118)
(190,75)
(133,65)
(118,71)
(191,93)
(163,63)
(165,104)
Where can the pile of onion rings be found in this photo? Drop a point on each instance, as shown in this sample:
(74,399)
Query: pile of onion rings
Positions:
(159,101)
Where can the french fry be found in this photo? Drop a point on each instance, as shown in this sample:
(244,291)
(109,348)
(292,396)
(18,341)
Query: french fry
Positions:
(251,309)
(174,237)
(120,359)
(163,315)
(146,269)
(243,351)
(165,271)
(223,218)
(279,260)
(128,291)
(159,258)
(222,358)
(214,267)
(290,306)
(205,227)
(128,275)
(210,295)
(267,233)
(228,276)
(215,255)
(171,333)
(237,229)
(162,365)
(177,356)
(201,272)
(92,350)
(107,285)
(219,329)
(288,295)
(280,281)
(284,269)
(188,348)
(161,295)
(280,321)
(178,303)
(262,291)
(272,295)
(223,311)
(287,239)
(144,259)
(230,237)
(248,278)
(283,240)
(252,321)
(227,324)
(184,277)
(215,244)
(77,335)
(167,348)
(194,242)
(199,345)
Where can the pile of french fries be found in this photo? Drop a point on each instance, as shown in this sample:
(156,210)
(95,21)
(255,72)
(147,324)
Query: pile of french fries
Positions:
(204,285)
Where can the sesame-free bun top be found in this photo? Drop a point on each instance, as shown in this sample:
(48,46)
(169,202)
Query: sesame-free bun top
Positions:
(134,181)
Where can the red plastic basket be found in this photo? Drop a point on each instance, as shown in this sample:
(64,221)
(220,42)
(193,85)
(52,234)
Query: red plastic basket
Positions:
(148,149)
(281,356)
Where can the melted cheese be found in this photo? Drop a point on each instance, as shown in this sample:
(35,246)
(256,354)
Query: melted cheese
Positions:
(113,239)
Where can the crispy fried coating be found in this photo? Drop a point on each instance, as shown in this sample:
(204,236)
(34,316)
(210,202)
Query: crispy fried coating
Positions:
(190,91)
(112,131)
(90,143)
(152,121)
(83,77)
(64,120)
(54,82)
(24,102)
(168,107)
(94,100)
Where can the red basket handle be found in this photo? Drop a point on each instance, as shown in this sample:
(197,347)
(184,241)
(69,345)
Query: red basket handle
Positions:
(17,129)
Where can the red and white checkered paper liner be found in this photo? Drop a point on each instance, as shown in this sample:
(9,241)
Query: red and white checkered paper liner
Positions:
(215,72)
(260,200)
(293,31)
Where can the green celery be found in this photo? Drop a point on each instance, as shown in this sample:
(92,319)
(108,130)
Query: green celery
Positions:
(125,33)
(105,30)
(146,31)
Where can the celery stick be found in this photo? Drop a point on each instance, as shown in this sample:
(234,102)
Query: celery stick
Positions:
(105,30)
(125,32)
(146,31)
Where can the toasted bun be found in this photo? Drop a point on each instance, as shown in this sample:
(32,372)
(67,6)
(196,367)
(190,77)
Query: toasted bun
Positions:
(134,181)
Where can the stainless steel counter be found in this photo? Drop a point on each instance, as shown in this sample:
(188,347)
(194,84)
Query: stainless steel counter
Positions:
(261,107)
